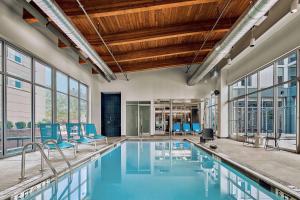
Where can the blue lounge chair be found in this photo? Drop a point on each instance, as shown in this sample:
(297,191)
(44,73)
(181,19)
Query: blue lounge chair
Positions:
(75,134)
(176,128)
(52,132)
(91,132)
(196,128)
(186,128)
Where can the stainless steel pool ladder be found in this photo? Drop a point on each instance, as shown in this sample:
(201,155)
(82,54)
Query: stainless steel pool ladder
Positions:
(40,148)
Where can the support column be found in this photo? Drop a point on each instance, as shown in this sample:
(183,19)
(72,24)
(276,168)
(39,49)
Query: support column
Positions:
(223,127)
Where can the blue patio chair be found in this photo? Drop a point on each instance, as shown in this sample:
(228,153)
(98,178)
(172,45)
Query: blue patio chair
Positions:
(75,134)
(176,128)
(196,127)
(186,128)
(52,132)
(91,132)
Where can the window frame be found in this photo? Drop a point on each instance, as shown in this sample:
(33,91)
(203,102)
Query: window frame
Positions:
(4,75)
(259,90)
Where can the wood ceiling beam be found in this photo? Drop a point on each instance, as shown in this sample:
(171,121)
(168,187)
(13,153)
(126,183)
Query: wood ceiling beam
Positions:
(174,62)
(105,8)
(159,52)
(152,34)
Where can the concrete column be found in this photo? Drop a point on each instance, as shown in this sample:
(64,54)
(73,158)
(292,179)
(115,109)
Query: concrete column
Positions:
(223,107)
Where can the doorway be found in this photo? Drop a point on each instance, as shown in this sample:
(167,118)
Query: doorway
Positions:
(111,114)
(138,118)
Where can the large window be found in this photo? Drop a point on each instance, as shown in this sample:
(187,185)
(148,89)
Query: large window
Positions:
(74,102)
(267,111)
(18,64)
(83,103)
(1,120)
(266,77)
(238,89)
(252,113)
(19,100)
(271,102)
(211,112)
(43,96)
(19,111)
(237,118)
(61,98)
(31,94)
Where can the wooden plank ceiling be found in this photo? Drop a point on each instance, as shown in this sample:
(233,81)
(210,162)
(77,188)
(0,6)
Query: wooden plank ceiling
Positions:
(147,34)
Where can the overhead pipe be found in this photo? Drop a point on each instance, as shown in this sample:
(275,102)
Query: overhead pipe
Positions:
(55,13)
(45,22)
(255,13)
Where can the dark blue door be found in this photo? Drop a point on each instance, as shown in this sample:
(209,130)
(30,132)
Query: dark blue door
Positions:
(111,114)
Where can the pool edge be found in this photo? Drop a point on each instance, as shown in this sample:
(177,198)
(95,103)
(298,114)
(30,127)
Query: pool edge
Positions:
(14,191)
(249,172)
(31,184)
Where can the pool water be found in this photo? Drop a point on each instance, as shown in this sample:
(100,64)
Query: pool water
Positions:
(164,170)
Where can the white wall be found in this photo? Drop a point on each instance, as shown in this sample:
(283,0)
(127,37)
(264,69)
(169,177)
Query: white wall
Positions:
(42,44)
(150,85)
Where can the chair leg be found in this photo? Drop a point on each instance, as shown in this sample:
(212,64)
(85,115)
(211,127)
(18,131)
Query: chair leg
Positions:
(106,140)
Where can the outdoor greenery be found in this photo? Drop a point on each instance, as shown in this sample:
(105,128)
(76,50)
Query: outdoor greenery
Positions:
(20,125)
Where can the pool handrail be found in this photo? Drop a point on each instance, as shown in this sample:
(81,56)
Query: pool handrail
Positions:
(60,151)
(43,156)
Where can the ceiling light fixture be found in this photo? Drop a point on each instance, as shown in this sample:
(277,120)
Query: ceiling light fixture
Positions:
(215,74)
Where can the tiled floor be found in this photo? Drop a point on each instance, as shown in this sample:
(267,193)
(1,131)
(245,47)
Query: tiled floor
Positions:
(281,166)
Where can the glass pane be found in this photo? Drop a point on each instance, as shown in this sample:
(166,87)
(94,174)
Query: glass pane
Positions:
(252,113)
(144,119)
(132,120)
(42,74)
(252,83)
(18,64)
(239,116)
(267,111)
(286,115)
(266,77)
(18,115)
(61,108)
(1,140)
(83,92)
(238,89)
(287,68)
(83,111)
(43,109)
(74,110)
(73,87)
(61,82)
(1,60)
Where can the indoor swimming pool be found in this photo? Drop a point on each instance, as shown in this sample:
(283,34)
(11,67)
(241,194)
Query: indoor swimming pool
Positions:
(167,170)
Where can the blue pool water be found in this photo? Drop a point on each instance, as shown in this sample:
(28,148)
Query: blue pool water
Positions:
(164,170)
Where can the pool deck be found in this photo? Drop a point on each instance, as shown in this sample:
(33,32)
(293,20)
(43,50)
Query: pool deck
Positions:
(281,166)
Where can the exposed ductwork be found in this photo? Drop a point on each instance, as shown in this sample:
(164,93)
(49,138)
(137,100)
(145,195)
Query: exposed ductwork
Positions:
(255,13)
(50,8)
